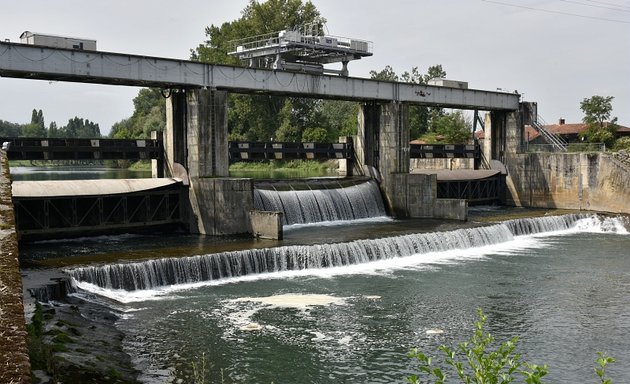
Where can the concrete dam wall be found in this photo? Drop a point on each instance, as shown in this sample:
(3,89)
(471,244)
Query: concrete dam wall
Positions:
(586,181)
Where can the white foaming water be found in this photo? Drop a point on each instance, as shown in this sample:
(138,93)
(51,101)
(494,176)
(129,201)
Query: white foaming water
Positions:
(323,205)
(380,256)
(597,224)
(377,219)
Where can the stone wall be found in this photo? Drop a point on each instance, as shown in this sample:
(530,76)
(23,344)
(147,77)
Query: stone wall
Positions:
(14,361)
(586,181)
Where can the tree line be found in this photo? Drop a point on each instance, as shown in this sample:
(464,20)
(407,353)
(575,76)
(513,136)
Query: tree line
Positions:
(76,128)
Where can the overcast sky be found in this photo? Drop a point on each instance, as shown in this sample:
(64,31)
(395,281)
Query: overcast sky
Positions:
(554,52)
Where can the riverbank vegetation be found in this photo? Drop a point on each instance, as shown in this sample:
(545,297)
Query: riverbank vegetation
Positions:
(474,361)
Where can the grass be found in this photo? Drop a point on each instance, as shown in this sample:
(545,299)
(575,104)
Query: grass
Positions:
(279,165)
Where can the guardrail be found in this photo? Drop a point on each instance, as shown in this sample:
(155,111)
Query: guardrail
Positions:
(570,148)
(27,148)
(445,151)
(257,151)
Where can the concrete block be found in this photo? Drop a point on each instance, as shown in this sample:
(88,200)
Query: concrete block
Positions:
(421,195)
(266,224)
(451,209)
(220,206)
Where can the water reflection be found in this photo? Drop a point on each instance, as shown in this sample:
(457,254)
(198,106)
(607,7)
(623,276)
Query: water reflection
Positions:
(75,173)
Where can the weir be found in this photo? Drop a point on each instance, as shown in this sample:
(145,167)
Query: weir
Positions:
(317,205)
(172,271)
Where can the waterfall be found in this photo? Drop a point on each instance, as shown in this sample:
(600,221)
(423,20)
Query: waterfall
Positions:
(171,271)
(317,205)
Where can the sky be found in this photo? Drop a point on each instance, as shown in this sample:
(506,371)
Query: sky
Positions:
(553,52)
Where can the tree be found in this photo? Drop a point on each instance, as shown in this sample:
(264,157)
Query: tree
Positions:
(420,116)
(53,131)
(80,128)
(37,127)
(597,111)
(454,127)
(8,129)
(288,131)
(149,115)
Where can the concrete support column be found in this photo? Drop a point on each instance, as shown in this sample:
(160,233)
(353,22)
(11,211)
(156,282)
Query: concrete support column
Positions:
(175,132)
(196,137)
(366,148)
(383,143)
(206,133)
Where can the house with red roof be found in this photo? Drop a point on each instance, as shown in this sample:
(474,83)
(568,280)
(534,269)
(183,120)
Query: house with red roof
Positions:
(569,132)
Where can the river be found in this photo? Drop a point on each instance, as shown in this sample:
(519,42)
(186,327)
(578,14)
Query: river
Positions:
(564,292)
(345,302)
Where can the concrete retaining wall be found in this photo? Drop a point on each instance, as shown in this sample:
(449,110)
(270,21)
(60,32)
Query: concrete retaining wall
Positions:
(14,362)
(586,181)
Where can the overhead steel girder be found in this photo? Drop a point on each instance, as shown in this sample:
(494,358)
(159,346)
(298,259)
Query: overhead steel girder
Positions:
(46,63)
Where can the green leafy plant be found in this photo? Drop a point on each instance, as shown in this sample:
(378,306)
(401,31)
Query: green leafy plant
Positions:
(475,362)
(602,361)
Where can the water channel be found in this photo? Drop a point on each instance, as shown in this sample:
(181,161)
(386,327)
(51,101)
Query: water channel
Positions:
(345,301)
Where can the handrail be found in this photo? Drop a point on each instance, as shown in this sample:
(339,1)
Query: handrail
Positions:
(556,140)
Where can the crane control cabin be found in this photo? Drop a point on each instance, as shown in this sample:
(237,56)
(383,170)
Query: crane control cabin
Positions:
(306,49)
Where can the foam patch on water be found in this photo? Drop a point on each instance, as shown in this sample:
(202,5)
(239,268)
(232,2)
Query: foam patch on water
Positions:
(301,302)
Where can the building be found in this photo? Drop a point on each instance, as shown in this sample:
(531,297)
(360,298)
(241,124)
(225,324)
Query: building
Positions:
(569,132)
(34,38)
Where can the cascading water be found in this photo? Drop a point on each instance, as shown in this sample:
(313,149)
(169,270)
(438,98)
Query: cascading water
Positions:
(172,271)
(318,205)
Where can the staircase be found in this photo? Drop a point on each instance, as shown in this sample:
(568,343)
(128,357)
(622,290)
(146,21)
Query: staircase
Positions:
(558,143)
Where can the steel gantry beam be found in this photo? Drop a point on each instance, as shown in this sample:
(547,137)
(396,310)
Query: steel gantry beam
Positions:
(47,63)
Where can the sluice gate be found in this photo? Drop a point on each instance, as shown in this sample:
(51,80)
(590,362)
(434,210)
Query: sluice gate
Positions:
(48,209)
(474,186)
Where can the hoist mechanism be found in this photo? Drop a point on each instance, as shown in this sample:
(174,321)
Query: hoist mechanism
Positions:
(306,49)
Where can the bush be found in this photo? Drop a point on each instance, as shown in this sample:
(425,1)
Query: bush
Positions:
(623,143)
(474,362)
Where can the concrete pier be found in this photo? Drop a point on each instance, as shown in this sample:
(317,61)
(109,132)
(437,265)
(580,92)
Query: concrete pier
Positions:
(196,138)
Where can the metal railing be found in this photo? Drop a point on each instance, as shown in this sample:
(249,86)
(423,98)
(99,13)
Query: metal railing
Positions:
(570,148)
(555,140)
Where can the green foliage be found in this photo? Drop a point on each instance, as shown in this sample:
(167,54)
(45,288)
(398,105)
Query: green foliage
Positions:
(8,129)
(602,361)
(79,128)
(149,115)
(37,127)
(622,143)
(474,362)
(315,135)
(454,127)
(597,111)
(420,116)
